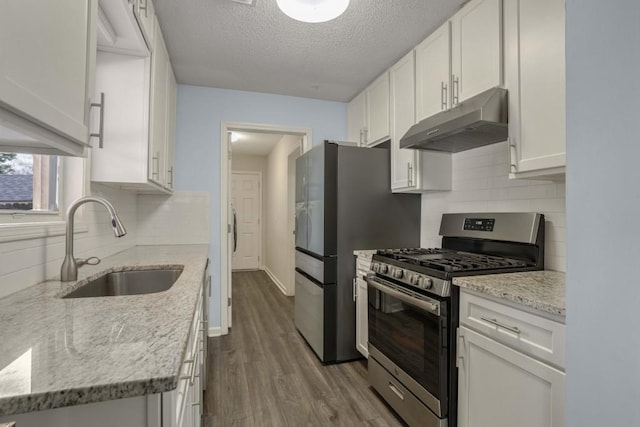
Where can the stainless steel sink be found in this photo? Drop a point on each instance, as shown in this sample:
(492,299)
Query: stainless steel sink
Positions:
(134,282)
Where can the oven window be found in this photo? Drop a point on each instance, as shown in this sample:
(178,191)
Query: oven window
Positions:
(410,337)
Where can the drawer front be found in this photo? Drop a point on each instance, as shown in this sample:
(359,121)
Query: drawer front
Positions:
(534,335)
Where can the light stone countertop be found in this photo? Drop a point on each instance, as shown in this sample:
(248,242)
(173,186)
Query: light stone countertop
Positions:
(61,352)
(365,252)
(540,290)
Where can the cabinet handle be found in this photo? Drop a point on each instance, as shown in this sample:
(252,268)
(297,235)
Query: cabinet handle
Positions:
(100,134)
(455,91)
(145,8)
(513,166)
(443,96)
(156,166)
(366,135)
(410,174)
(395,390)
(460,349)
(354,285)
(495,322)
(171,177)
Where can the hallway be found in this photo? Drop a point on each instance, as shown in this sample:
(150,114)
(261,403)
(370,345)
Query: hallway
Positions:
(263,373)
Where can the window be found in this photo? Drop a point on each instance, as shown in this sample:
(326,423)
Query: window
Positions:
(29,183)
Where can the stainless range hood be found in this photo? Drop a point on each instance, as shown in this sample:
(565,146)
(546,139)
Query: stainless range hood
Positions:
(480,120)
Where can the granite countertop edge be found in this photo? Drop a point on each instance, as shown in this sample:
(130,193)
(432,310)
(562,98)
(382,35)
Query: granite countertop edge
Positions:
(165,377)
(540,290)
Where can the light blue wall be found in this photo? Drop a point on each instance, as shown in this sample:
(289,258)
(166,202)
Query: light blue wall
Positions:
(603,210)
(200,113)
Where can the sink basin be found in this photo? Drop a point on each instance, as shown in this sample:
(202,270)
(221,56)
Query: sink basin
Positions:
(134,282)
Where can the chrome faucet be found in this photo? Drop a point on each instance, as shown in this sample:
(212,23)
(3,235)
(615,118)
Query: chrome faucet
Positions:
(69,270)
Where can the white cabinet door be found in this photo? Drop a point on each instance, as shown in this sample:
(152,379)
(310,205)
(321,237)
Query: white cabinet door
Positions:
(159,97)
(45,51)
(476,49)
(403,113)
(412,170)
(535,78)
(357,118)
(171,127)
(433,73)
(124,80)
(377,101)
(500,387)
(362,321)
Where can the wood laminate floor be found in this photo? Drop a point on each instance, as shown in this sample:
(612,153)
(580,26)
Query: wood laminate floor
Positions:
(263,373)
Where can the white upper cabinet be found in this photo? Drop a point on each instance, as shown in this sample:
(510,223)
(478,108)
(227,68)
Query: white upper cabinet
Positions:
(368,114)
(476,49)
(433,73)
(460,59)
(535,78)
(412,170)
(139,118)
(46,65)
(357,118)
(377,111)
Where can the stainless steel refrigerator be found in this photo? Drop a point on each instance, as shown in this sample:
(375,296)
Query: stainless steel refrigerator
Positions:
(343,203)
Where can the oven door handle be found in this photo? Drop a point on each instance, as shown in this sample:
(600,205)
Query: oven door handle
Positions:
(432,306)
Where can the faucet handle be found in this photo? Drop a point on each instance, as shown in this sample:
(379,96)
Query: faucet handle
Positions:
(92,260)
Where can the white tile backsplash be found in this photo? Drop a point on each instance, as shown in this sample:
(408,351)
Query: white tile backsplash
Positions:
(481,184)
(182,218)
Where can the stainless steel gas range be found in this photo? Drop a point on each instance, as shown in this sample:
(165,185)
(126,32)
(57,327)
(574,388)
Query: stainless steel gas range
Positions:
(413,309)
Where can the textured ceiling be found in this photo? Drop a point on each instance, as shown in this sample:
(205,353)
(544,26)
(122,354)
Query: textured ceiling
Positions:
(255,143)
(225,44)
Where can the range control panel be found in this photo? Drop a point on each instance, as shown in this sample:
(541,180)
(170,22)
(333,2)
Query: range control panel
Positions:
(479,224)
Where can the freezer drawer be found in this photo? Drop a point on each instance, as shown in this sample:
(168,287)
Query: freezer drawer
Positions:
(322,270)
(309,312)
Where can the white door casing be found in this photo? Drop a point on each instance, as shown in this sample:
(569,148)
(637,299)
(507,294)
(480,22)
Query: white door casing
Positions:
(246,202)
(226,237)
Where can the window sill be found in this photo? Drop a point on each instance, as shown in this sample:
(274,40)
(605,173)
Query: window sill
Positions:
(37,230)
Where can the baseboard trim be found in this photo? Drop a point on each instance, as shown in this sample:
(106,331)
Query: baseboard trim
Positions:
(216,331)
(276,281)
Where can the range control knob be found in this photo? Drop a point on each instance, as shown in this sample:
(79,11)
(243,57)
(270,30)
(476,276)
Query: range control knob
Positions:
(397,273)
(375,266)
(425,283)
(413,279)
(383,268)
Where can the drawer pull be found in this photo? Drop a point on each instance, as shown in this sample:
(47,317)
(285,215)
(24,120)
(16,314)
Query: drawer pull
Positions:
(495,322)
(395,390)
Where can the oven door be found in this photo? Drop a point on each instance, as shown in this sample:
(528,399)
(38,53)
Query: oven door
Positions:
(408,336)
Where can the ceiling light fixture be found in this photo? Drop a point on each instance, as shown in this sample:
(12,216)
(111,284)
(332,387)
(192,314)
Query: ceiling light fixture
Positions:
(313,11)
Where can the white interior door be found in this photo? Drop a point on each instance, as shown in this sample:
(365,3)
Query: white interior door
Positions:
(246,205)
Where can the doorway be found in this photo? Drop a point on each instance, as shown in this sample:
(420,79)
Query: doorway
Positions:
(280,266)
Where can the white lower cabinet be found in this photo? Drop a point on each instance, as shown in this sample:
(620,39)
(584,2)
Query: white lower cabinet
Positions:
(501,387)
(363,263)
(509,366)
(362,325)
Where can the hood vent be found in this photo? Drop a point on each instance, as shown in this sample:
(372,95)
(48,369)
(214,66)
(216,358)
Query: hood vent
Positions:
(480,120)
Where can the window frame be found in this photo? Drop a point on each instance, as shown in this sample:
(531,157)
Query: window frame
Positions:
(73,182)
